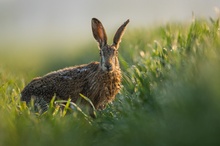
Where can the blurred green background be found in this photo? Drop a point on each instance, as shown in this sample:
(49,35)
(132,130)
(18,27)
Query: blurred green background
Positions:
(169,59)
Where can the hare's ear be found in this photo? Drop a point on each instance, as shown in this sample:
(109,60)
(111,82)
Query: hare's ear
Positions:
(119,34)
(99,32)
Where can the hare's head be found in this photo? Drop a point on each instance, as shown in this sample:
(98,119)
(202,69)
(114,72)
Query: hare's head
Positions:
(109,53)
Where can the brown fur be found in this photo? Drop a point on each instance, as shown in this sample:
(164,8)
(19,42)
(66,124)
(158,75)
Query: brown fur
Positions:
(100,82)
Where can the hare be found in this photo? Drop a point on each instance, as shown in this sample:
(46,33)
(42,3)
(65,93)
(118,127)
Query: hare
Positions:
(99,81)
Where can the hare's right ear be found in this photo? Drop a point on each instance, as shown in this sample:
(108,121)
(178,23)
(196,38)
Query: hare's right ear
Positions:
(99,32)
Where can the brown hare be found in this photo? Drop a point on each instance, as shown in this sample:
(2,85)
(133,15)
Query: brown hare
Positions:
(99,81)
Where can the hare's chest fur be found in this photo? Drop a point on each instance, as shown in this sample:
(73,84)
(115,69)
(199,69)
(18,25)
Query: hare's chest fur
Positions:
(103,87)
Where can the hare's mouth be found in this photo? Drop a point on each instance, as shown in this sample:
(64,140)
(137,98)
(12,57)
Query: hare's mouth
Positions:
(107,68)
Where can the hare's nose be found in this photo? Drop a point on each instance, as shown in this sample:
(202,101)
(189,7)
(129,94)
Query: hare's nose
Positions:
(108,67)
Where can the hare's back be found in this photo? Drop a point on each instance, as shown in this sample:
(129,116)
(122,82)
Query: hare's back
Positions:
(64,83)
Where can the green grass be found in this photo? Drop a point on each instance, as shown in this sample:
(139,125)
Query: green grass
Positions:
(170,94)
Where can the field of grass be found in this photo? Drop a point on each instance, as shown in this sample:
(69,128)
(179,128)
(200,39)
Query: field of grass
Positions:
(170,94)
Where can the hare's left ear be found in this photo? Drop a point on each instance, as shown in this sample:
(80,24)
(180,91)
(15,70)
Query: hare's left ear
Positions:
(99,32)
(119,34)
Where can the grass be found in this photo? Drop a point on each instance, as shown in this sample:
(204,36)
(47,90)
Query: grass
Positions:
(170,95)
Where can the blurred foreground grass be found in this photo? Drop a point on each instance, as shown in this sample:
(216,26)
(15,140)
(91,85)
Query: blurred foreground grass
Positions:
(170,94)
